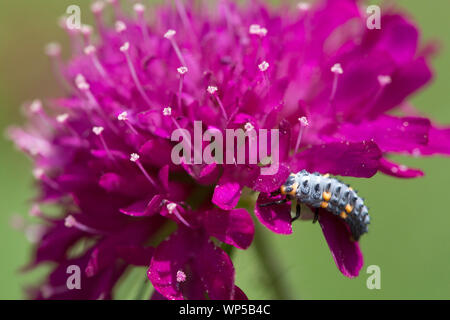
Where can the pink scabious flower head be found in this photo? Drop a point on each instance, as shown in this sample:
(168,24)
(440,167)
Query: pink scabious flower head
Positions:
(103,153)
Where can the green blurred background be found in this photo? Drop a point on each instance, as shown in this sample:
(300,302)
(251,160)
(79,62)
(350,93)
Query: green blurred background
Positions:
(410,233)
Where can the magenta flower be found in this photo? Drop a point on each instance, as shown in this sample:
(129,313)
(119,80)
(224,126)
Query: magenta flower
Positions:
(103,152)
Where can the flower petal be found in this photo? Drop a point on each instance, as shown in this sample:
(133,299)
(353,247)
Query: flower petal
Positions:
(345,252)
(269,183)
(399,171)
(276,218)
(234,227)
(189,266)
(391,134)
(357,159)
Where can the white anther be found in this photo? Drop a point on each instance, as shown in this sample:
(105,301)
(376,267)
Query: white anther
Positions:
(337,69)
(62,117)
(303,6)
(171,207)
(181,276)
(120,26)
(53,49)
(86,29)
(138,8)
(384,80)
(134,157)
(182,70)
(263,66)
(303,121)
(212,89)
(167,111)
(69,221)
(170,34)
(97,130)
(36,106)
(89,50)
(125,47)
(123,116)
(38,173)
(254,29)
(81,83)
(97,7)
(248,126)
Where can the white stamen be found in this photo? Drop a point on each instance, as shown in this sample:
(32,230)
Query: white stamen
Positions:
(123,116)
(97,7)
(134,157)
(182,70)
(125,47)
(38,173)
(181,276)
(81,83)
(384,80)
(170,34)
(139,8)
(337,69)
(256,29)
(263,66)
(120,26)
(133,73)
(53,49)
(69,221)
(36,106)
(303,121)
(212,89)
(167,111)
(86,30)
(89,50)
(171,207)
(97,130)
(248,126)
(303,6)
(303,124)
(62,117)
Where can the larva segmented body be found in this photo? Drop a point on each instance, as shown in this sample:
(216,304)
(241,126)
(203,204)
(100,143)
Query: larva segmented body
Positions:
(322,191)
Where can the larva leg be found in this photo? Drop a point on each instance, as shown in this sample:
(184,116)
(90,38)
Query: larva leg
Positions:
(297,212)
(316,215)
(273,202)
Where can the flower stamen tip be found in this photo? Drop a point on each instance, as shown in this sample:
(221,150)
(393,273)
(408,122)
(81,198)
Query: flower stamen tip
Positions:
(134,157)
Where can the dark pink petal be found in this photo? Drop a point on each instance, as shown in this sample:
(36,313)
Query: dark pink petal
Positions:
(397,36)
(239,294)
(144,208)
(203,173)
(234,227)
(226,194)
(399,171)
(234,178)
(276,218)
(163,176)
(391,134)
(189,266)
(405,81)
(345,252)
(269,183)
(357,159)
(438,142)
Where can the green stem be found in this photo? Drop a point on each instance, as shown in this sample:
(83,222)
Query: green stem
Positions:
(271,266)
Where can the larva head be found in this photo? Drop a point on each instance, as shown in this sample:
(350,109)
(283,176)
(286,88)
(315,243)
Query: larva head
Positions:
(289,187)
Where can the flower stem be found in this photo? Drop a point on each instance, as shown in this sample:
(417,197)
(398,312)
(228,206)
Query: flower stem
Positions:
(271,266)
